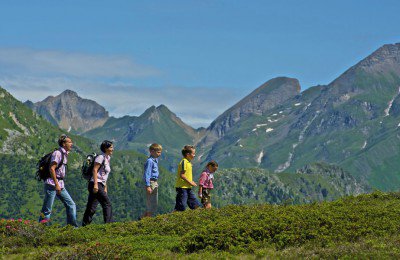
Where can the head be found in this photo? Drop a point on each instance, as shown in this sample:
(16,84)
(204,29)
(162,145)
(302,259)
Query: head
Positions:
(212,166)
(155,150)
(189,152)
(107,147)
(65,142)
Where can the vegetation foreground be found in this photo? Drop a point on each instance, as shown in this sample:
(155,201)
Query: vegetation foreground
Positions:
(364,226)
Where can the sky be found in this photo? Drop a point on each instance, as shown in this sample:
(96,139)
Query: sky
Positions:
(196,57)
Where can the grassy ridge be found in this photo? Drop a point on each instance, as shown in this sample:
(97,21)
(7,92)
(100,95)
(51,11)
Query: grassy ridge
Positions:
(363,226)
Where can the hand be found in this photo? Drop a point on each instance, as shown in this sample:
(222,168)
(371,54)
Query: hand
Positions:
(95,188)
(200,195)
(149,190)
(193,184)
(58,189)
(105,188)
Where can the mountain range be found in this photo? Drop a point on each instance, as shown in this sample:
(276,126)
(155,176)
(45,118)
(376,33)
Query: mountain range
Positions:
(25,136)
(351,122)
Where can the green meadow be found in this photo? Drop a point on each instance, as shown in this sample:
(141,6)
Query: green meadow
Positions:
(366,226)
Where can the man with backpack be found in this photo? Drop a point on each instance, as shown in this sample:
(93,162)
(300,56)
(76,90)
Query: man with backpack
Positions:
(54,185)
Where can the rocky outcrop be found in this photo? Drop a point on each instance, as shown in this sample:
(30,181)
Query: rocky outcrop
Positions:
(266,97)
(384,60)
(71,112)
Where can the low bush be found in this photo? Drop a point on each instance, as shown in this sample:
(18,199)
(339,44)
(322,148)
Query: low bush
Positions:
(269,230)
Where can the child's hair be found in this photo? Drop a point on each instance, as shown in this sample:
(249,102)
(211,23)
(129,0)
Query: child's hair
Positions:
(105,145)
(212,163)
(187,149)
(155,147)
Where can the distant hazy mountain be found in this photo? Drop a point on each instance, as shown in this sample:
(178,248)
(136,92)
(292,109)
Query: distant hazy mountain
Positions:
(71,112)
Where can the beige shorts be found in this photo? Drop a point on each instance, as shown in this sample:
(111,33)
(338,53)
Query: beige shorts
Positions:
(152,199)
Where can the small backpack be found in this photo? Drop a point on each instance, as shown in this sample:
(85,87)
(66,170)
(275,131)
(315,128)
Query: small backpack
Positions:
(88,164)
(43,166)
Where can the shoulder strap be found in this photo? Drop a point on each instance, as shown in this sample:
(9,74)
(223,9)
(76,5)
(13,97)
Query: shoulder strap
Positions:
(103,164)
(62,158)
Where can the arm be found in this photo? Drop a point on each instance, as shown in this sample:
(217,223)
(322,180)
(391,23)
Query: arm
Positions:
(183,176)
(95,170)
(53,175)
(147,175)
(203,177)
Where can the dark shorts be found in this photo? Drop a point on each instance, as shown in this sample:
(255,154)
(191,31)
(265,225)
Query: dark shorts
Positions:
(185,197)
(206,196)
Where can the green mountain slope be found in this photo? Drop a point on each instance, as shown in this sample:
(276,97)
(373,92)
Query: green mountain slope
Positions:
(155,125)
(352,122)
(315,182)
(25,137)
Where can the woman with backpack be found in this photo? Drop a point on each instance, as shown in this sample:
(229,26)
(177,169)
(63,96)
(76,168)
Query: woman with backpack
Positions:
(98,185)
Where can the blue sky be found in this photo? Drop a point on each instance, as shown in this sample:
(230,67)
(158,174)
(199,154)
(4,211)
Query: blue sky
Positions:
(129,55)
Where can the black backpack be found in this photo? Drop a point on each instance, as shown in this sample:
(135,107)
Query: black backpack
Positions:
(43,166)
(88,164)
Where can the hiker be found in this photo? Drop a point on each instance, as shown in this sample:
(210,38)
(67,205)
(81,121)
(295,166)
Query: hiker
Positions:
(97,186)
(206,183)
(54,186)
(150,177)
(184,181)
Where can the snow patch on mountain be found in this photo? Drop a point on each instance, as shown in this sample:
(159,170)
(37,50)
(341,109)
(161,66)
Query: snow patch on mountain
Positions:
(387,110)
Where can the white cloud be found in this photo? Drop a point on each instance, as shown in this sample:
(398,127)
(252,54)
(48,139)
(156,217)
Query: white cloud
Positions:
(195,106)
(35,62)
(35,75)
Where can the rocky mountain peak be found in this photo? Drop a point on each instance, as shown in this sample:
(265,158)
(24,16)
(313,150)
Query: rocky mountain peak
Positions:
(384,53)
(163,108)
(385,60)
(153,112)
(266,97)
(280,83)
(71,112)
(69,93)
(261,100)
(156,114)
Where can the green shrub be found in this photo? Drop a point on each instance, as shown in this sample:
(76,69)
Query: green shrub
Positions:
(328,229)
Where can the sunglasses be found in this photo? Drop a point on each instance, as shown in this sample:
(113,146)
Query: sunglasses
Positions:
(63,137)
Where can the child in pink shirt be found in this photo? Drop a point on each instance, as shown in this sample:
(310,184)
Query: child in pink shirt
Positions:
(206,183)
